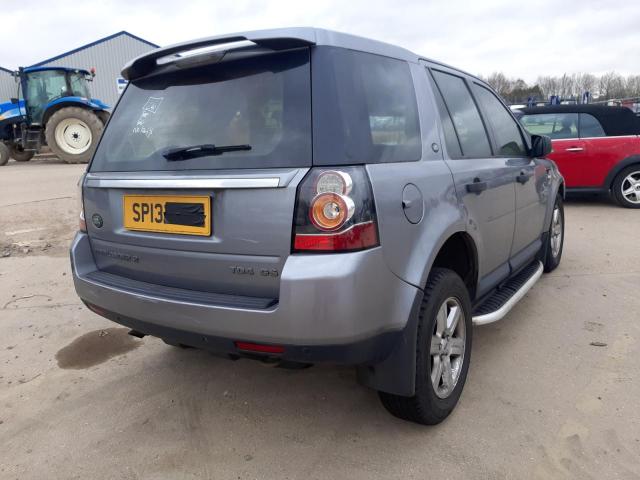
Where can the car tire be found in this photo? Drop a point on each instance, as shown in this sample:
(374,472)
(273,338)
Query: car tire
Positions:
(625,191)
(20,155)
(555,237)
(435,397)
(73,124)
(4,154)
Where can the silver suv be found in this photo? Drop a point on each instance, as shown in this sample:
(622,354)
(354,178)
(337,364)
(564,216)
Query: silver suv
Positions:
(305,196)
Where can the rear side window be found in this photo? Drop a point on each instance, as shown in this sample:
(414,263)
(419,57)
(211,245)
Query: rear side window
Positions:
(590,126)
(464,114)
(262,103)
(505,129)
(553,125)
(364,108)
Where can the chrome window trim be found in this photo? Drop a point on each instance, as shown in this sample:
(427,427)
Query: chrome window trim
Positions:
(182,183)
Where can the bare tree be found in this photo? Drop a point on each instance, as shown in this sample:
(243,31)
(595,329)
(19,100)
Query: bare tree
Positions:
(519,84)
(586,82)
(608,86)
(632,86)
(500,83)
(549,85)
(611,85)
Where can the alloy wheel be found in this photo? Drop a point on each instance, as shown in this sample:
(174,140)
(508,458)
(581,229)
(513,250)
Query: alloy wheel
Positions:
(556,232)
(448,347)
(630,188)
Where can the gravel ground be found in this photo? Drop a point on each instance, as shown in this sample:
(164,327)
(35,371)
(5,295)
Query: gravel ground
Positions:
(552,391)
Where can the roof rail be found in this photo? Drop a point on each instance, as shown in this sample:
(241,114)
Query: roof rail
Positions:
(280,39)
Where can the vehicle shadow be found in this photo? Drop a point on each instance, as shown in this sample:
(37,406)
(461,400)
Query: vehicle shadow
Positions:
(45,159)
(594,199)
(191,390)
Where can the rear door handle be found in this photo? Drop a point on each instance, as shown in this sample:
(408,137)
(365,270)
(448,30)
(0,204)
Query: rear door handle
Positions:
(523,177)
(575,149)
(477,186)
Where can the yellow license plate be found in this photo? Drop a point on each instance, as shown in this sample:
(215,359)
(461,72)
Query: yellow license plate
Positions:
(167,214)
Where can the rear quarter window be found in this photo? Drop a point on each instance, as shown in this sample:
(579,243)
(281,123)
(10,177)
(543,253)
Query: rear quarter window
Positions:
(365,108)
(590,126)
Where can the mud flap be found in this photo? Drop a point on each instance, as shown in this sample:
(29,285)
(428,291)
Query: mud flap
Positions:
(542,254)
(397,373)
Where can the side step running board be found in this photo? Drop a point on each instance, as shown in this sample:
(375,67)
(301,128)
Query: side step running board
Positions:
(501,302)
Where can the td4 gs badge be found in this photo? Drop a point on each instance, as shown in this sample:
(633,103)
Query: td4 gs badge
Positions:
(264,272)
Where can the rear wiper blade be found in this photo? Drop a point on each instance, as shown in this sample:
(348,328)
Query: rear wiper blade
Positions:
(205,150)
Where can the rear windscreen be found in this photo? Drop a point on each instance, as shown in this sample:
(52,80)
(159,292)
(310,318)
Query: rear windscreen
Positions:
(261,104)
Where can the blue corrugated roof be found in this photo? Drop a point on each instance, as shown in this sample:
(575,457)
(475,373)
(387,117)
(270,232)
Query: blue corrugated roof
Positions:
(88,45)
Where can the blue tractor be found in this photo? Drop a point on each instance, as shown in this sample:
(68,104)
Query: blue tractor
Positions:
(56,109)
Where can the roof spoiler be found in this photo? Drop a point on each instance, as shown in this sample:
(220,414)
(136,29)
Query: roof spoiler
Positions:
(282,39)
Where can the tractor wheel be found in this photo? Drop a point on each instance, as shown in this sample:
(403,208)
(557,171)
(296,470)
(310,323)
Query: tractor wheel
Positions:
(20,155)
(103,115)
(4,154)
(72,133)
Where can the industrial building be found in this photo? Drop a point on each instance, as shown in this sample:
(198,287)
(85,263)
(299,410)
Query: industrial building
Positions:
(107,55)
(7,85)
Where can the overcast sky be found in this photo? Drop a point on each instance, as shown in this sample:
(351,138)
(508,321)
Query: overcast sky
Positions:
(521,39)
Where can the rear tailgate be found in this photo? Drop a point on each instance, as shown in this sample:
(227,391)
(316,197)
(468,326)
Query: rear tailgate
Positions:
(217,217)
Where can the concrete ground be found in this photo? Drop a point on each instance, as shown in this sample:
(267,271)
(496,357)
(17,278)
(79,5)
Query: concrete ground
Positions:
(81,399)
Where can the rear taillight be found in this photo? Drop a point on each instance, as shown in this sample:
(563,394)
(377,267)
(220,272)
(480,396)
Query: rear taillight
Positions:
(335,211)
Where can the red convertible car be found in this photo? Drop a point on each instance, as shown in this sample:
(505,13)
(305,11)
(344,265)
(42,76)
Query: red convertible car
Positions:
(596,148)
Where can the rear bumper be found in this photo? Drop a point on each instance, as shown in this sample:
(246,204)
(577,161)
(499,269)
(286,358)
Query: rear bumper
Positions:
(344,308)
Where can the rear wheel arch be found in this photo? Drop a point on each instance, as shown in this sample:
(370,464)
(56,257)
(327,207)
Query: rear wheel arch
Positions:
(432,398)
(459,254)
(385,376)
(619,167)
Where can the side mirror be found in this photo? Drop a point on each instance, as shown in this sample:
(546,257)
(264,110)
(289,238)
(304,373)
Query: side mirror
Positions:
(540,146)
(15,101)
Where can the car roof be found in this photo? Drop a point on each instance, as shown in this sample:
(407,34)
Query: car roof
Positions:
(615,121)
(282,39)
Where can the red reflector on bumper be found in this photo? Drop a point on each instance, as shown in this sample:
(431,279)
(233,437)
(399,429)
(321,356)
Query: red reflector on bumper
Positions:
(96,309)
(358,237)
(257,347)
